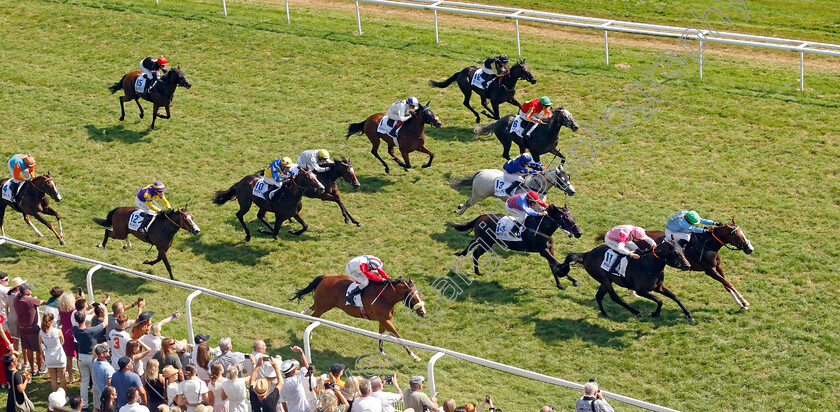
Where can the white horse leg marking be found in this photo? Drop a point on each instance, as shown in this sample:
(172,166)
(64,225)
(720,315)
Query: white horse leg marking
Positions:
(127,244)
(735,297)
(308,312)
(60,229)
(32,225)
(743,301)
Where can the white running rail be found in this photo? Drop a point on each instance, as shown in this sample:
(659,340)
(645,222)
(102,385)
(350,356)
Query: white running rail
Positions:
(438,352)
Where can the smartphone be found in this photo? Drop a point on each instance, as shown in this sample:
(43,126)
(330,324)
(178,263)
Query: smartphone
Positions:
(79,291)
(425,408)
(389,379)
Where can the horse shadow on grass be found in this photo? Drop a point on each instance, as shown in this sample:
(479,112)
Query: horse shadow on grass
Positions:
(671,315)
(254,225)
(225,251)
(558,330)
(365,360)
(115,133)
(451,134)
(372,184)
(117,283)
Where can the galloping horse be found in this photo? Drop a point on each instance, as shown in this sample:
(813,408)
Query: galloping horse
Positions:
(161,95)
(642,275)
(284,204)
(410,136)
(341,169)
(542,140)
(483,185)
(536,236)
(32,200)
(160,233)
(703,252)
(499,91)
(378,298)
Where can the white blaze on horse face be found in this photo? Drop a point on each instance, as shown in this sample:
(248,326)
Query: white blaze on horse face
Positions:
(194,226)
(420,308)
(57,195)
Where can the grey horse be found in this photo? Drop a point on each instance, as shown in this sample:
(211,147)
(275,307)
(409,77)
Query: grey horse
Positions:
(484,180)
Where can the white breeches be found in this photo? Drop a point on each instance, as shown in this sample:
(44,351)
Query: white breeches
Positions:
(142,205)
(677,235)
(488,71)
(518,215)
(628,247)
(358,277)
(270,180)
(513,178)
(149,74)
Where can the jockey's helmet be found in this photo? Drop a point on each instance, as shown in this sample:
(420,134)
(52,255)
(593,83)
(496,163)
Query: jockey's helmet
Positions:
(504,58)
(525,158)
(159,187)
(638,233)
(29,161)
(162,61)
(285,162)
(413,102)
(534,197)
(375,263)
(692,217)
(545,101)
(323,154)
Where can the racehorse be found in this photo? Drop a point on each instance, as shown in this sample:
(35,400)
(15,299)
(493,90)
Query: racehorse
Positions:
(378,298)
(499,91)
(160,232)
(32,200)
(483,185)
(410,136)
(642,275)
(542,140)
(285,203)
(160,95)
(341,169)
(703,253)
(536,237)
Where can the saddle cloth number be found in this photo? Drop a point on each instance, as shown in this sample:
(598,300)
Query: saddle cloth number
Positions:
(260,188)
(140,84)
(384,127)
(356,299)
(500,186)
(516,126)
(478,79)
(7,191)
(503,228)
(136,220)
(609,258)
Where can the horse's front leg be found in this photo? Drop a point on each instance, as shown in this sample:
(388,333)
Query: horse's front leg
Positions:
(50,226)
(488,110)
(344,212)
(390,327)
(168,115)
(154,115)
(122,108)
(302,223)
(29,221)
(495,110)
(665,291)
(50,211)
(394,156)
(512,100)
(424,149)
(137,100)
(407,164)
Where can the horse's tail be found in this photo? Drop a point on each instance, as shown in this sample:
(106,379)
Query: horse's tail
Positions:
(570,258)
(305,291)
(486,129)
(116,86)
(462,183)
(108,221)
(444,83)
(464,227)
(355,128)
(600,237)
(223,196)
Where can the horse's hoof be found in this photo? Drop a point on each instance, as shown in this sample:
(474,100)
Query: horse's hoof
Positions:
(126,246)
(248,238)
(62,243)
(294,232)
(100,246)
(744,308)
(576,284)
(653,314)
(358,224)
(260,230)
(638,315)
(416,358)
(561,287)
(425,166)
(147,262)
(141,115)
(691,321)
(479,274)
(122,118)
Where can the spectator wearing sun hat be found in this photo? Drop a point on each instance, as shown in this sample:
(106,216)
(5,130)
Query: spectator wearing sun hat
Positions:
(414,398)
(293,394)
(265,392)
(57,400)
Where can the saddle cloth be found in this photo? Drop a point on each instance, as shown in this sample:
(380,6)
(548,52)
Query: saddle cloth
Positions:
(385,125)
(140,84)
(478,79)
(7,191)
(609,259)
(356,299)
(260,188)
(500,186)
(517,126)
(503,228)
(137,220)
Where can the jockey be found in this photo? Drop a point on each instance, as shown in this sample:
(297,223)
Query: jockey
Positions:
(516,168)
(150,68)
(521,206)
(533,113)
(681,225)
(22,168)
(316,160)
(146,200)
(621,239)
(279,171)
(400,112)
(363,269)
(495,67)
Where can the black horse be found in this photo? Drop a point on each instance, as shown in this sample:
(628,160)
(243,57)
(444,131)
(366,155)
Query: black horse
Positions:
(642,275)
(498,92)
(341,169)
(536,236)
(160,95)
(542,140)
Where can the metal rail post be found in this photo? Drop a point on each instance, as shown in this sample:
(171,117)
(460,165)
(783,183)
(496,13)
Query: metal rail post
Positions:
(358,18)
(224,7)
(606,44)
(306,339)
(190,298)
(701,59)
(430,370)
(288,20)
(518,47)
(89,280)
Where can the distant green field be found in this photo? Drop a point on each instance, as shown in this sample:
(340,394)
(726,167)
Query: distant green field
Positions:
(741,143)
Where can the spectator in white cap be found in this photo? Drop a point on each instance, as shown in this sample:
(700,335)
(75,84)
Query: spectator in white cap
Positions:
(293,394)
(414,398)
(57,399)
(387,398)
(592,401)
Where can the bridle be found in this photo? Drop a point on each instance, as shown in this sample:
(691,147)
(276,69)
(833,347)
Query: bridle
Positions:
(724,244)
(561,224)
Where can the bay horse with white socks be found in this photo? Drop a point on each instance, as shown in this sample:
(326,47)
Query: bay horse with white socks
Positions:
(160,232)
(378,298)
(483,185)
(33,199)
(410,136)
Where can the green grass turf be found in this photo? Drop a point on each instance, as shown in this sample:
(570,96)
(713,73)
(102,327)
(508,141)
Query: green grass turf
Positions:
(742,143)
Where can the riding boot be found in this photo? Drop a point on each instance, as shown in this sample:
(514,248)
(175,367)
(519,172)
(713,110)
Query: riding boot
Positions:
(512,189)
(352,295)
(13,189)
(614,268)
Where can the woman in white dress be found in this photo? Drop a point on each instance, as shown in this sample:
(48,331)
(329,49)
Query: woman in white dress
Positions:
(215,386)
(52,339)
(235,390)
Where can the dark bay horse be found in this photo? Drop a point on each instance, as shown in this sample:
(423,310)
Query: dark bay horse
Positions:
(378,298)
(285,204)
(643,275)
(499,91)
(32,200)
(410,136)
(536,237)
(340,170)
(160,95)
(542,140)
(160,233)
(703,253)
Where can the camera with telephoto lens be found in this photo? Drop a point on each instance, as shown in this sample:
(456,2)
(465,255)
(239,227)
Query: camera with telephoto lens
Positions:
(389,379)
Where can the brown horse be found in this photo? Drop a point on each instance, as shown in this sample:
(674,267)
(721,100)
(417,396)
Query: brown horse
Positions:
(160,95)
(341,169)
(410,136)
(703,252)
(378,298)
(32,200)
(160,233)
(285,203)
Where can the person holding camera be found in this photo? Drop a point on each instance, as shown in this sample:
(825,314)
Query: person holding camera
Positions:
(592,401)
(414,398)
(387,398)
